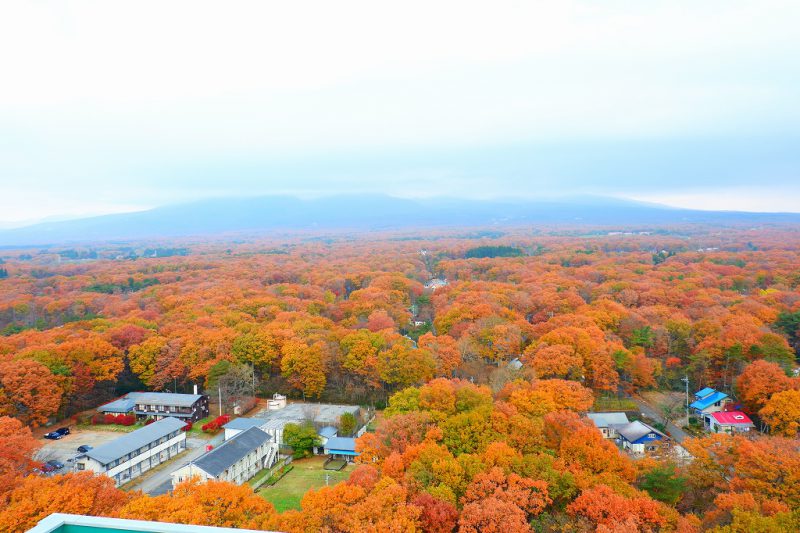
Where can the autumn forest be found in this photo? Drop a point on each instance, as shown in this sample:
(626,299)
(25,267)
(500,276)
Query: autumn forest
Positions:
(481,350)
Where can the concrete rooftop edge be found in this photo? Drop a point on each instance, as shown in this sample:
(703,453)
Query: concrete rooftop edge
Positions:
(56,521)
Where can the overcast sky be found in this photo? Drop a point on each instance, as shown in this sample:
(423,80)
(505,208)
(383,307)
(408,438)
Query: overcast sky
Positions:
(113,106)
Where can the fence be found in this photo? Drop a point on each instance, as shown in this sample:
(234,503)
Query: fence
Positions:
(270,476)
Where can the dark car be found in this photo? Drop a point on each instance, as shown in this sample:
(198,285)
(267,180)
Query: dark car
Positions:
(84,448)
(52,466)
(57,434)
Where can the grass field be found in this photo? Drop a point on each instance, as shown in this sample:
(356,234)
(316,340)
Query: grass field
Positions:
(306,474)
(606,403)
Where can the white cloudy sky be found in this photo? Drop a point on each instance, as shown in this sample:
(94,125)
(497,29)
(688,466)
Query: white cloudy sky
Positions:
(112,106)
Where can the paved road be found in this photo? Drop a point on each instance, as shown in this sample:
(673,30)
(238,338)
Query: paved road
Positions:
(674,431)
(160,482)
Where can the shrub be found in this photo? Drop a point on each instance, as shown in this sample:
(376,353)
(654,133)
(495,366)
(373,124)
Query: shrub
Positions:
(187,427)
(149,421)
(216,424)
(109,419)
(347,424)
(97,419)
(302,438)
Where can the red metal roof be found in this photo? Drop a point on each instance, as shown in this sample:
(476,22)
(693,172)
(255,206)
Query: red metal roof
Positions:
(731,417)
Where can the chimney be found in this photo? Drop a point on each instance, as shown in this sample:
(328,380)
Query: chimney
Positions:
(195,388)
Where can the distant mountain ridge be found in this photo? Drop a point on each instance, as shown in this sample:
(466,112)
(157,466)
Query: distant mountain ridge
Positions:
(363,212)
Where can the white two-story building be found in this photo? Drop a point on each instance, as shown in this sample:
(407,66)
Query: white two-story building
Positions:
(236,460)
(131,455)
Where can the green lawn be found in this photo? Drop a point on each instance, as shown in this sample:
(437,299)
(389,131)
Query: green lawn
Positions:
(197,432)
(306,474)
(112,427)
(612,403)
(258,477)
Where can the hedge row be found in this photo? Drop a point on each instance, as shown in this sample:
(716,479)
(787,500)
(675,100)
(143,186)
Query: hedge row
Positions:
(108,418)
(216,424)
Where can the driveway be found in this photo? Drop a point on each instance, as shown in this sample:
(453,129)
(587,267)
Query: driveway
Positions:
(158,481)
(66,448)
(674,431)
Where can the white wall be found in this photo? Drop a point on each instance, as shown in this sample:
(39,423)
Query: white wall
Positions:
(240,472)
(95,466)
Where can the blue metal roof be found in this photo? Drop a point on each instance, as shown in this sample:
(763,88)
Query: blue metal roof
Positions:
(341,445)
(343,452)
(121,405)
(704,392)
(244,423)
(328,432)
(703,403)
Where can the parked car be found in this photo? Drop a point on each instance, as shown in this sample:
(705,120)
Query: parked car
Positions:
(57,434)
(84,448)
(52,465)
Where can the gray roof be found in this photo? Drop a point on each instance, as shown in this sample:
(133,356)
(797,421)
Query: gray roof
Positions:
(168,398)
(328,432)
(604,420)
(245,423)
(341,443)
(515,363)
(636,430)
(231,451)
(133,441)
(122,405)
(297,413)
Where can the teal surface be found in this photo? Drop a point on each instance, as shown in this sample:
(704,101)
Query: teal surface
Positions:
(70,528)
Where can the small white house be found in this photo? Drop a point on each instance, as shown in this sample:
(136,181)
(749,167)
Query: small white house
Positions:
(341,448)
(236,460)
(608,423)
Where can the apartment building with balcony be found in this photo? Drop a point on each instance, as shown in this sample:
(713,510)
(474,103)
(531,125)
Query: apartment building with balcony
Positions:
(158,405)
(236,460)
(135,453)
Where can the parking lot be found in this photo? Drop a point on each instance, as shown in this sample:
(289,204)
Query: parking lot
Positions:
(66,448)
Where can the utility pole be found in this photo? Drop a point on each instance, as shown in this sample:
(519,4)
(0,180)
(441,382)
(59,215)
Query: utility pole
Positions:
(220,400)
(685,380)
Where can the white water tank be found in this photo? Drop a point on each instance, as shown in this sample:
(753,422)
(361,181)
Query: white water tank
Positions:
(278,401)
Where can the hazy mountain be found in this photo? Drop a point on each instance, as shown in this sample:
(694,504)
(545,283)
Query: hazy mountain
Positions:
(365,212)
